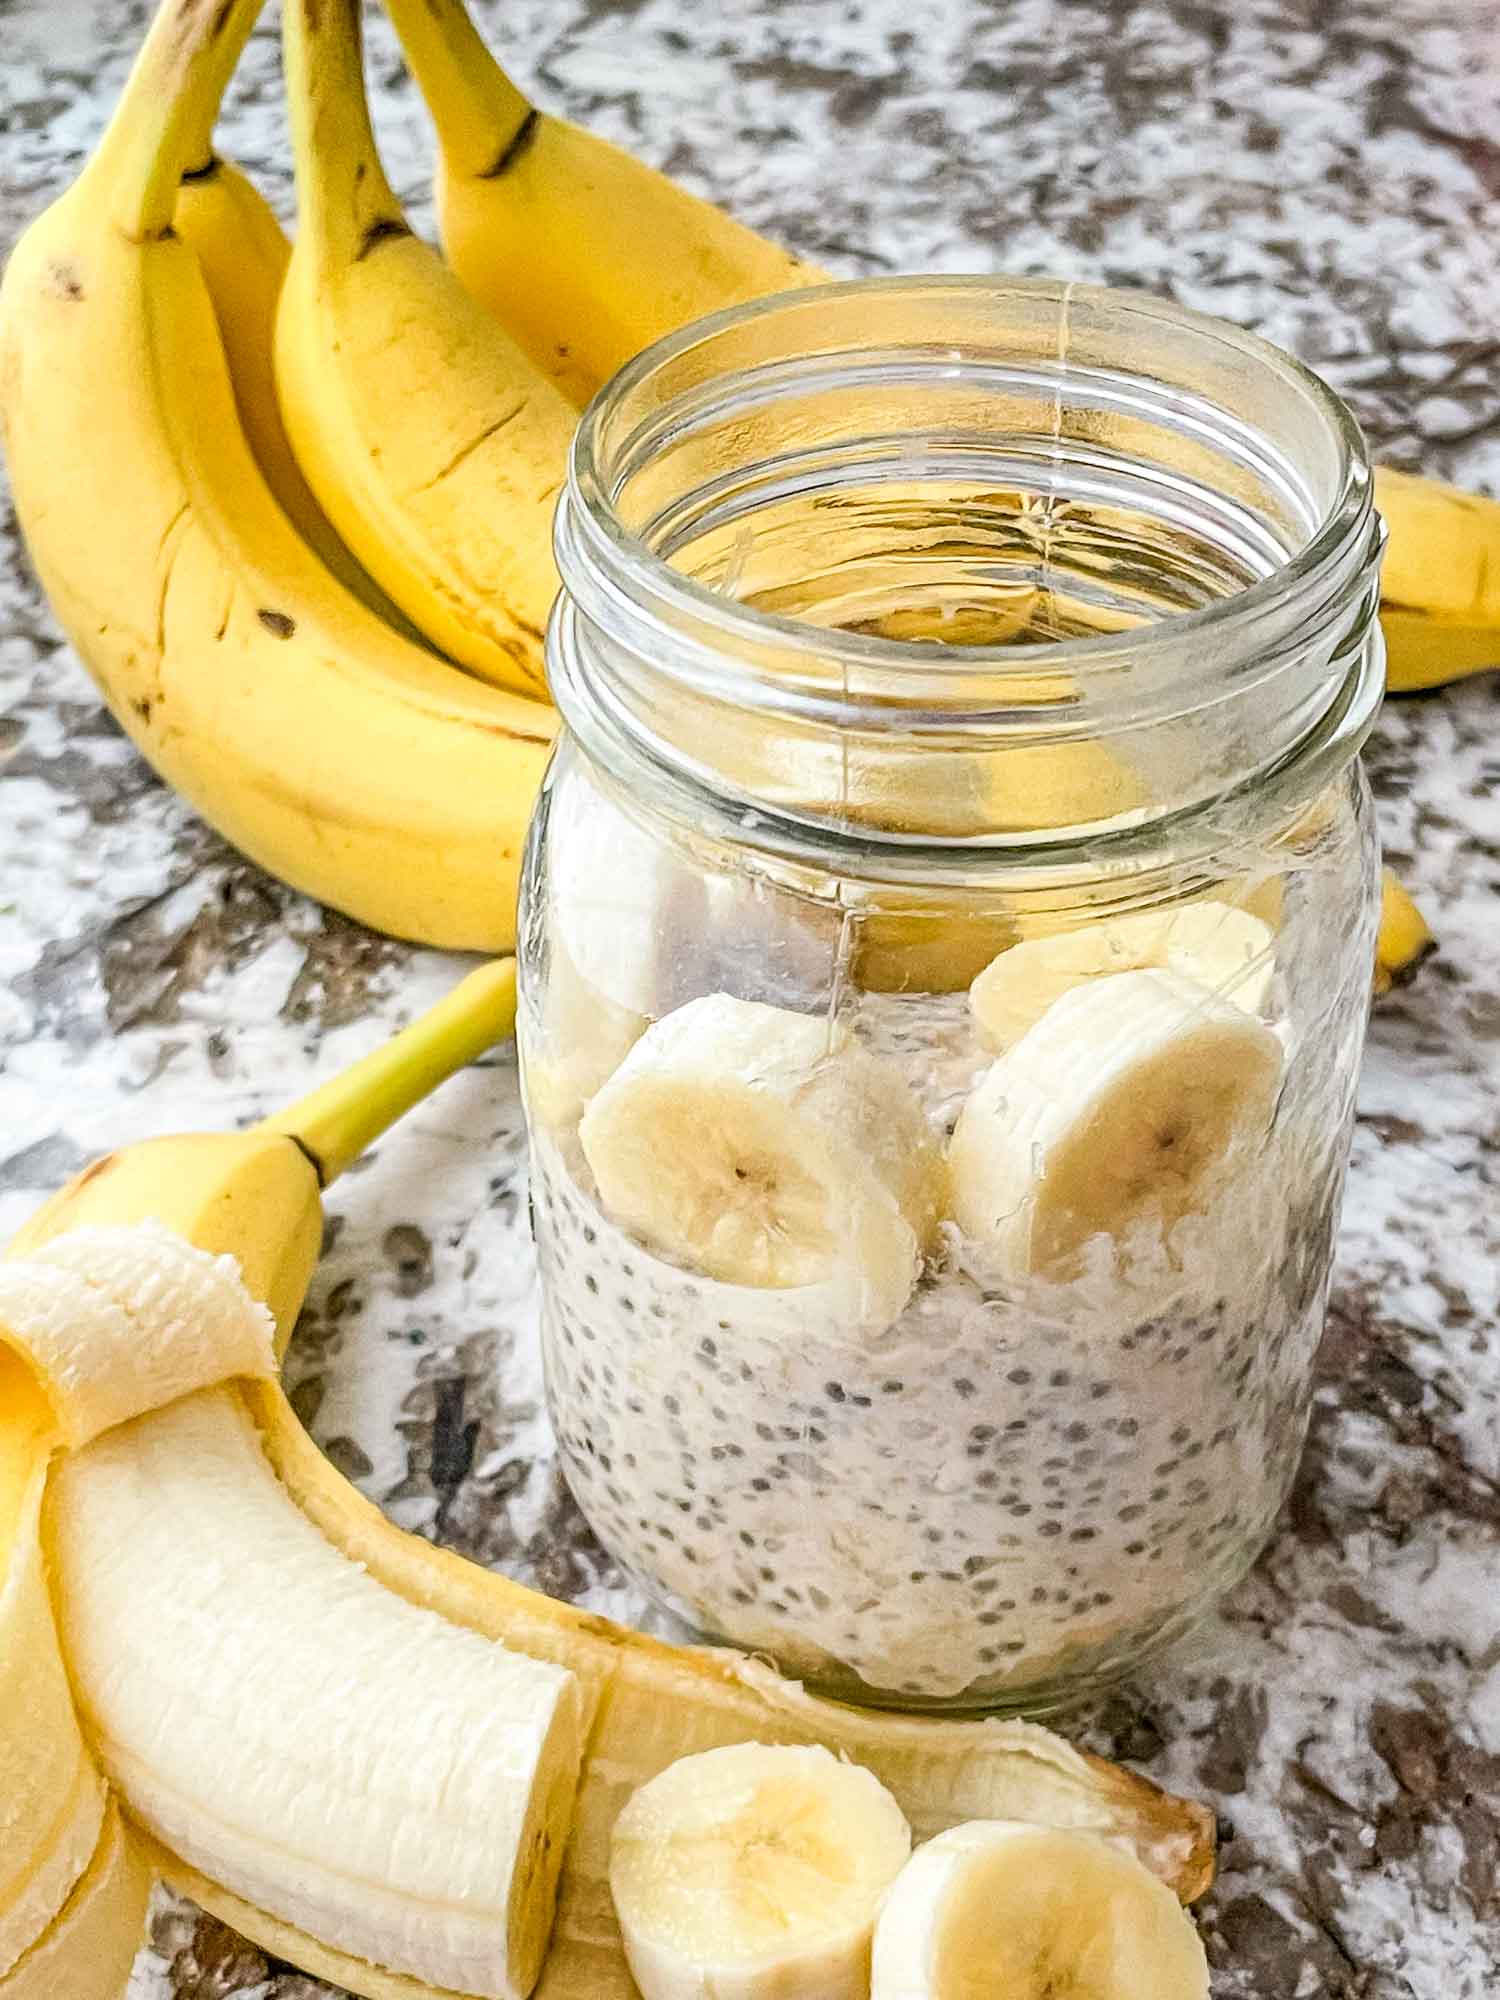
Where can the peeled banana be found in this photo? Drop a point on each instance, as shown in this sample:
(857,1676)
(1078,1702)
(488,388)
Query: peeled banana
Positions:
(644,1704)
(241,1682)
(755,1872)
(443,485)
(586,254)
(345,759)
(1031,1913)
(1439,583)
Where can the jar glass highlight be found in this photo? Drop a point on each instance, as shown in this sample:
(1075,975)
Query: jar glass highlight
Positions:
(946,942)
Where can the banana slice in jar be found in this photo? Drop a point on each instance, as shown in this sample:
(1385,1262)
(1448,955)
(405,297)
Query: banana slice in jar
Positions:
(1033,1913)
(755,1872)
(1228,950)
(1123,1105)
(765,1148)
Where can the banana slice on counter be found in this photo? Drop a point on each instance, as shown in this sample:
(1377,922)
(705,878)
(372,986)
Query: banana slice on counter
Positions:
(1033,1913)
(765,1148)
(1223,948)
(1119,1106)
(755,1872)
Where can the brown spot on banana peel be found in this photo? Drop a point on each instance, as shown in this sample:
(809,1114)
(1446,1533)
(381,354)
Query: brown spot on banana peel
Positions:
(519,141)
(381,230)
(94,1171)
(63,280)
(278,623)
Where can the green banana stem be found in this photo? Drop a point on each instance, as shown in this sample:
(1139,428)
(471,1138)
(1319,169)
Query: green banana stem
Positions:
(345,204)
(335,1123)
(167,109)
(482,119)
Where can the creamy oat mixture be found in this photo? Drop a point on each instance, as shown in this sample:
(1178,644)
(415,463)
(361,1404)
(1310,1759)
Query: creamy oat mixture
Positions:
(1012,1482)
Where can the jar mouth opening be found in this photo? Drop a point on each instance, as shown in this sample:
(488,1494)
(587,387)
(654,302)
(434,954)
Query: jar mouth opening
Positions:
(606,439)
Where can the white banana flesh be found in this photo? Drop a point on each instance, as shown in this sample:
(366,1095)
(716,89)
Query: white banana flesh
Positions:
(1122,1107)
(755,1872)
(995,1908)
(761,1147)
(1228,950)
(397,1787)
(119,1320)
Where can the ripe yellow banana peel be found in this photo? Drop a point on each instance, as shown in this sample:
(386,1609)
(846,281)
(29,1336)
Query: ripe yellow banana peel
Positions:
(257,1196)
(1439,583)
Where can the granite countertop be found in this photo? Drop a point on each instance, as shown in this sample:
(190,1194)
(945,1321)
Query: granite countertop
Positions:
(1327,171)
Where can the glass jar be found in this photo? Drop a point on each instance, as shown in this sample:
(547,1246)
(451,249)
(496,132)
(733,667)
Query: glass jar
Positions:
(947,930)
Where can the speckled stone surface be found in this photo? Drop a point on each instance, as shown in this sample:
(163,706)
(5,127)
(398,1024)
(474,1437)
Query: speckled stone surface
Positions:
(1327,171)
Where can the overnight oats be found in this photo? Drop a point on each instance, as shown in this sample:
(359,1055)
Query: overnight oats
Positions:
(946,937)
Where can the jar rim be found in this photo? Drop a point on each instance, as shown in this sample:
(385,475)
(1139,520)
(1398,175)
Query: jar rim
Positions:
(732,622)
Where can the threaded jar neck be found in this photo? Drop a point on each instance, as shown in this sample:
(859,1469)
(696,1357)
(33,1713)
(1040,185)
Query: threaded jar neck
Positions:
(966,564)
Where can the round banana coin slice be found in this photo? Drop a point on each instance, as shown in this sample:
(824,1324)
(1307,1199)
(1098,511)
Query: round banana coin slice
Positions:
(1033,1913)
(755,1872)
(1122,1105)
(1226,949)
(765,1148)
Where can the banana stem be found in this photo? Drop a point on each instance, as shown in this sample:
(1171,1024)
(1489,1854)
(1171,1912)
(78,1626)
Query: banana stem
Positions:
(345,204)
(336,1122)
(481,117)
(167,110)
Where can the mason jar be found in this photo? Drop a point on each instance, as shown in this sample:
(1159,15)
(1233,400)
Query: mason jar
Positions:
(946,940)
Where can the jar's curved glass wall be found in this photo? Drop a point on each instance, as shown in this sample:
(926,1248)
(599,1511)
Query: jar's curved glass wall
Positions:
(946,940)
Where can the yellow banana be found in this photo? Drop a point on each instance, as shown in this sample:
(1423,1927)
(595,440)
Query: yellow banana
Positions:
(243,253)
(348,761)
(433,443)
(1404,938)
(585,253)
(644,1703)
(1440,582)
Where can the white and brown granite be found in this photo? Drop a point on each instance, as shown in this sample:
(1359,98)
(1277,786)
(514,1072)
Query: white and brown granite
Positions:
(1327,171)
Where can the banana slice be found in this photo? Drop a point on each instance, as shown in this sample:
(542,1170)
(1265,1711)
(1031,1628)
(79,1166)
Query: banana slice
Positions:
(763,1147)
(1033,1913)
(755,1873)
(1223,948)
(1120,1106)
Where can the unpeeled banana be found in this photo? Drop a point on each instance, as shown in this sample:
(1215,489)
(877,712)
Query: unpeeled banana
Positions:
(352,763)
(1439,583)
(442,481)
(585,253)
(643,1704)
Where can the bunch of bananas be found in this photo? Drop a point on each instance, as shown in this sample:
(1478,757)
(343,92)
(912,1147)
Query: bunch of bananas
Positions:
(318,482)
(241,1632)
